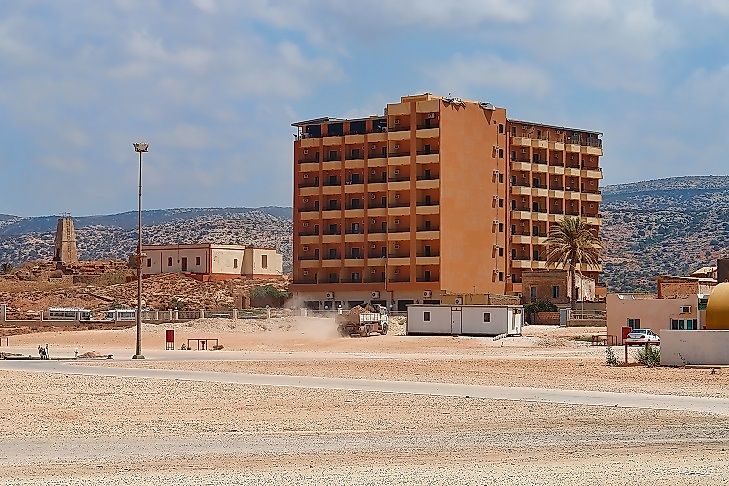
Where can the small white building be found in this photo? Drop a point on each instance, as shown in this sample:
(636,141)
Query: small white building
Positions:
(214,262)
(469,320)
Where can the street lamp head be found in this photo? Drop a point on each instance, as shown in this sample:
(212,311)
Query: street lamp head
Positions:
(141,147)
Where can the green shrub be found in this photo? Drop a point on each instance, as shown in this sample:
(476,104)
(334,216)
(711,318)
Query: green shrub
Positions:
(264,295)
(540,306)
(649,356)
(610,358)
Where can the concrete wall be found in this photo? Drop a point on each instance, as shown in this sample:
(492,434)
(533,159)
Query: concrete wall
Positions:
(654,314)
(464,320)
(679,348)
(543,281)
(254,260)
(227,261)
(157,260)
(469,178)
(390,299)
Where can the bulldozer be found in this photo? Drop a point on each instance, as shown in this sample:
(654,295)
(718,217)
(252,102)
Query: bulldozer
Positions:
(363,321)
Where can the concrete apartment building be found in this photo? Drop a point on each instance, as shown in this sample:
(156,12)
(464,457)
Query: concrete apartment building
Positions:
(439,196)
(212,262)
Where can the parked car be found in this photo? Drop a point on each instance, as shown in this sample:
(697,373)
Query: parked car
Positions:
(642,336)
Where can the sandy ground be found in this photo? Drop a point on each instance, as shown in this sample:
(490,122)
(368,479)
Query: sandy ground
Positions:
(69,429)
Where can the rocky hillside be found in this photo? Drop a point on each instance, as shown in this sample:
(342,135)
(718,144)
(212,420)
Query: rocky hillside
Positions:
(666,226)
(113,236)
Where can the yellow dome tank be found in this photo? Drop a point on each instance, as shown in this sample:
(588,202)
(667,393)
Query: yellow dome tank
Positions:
(717,309)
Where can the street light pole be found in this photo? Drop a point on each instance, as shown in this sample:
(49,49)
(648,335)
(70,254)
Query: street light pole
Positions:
(140,148)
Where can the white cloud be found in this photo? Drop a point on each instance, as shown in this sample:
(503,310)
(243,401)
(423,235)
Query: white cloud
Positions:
(461,74)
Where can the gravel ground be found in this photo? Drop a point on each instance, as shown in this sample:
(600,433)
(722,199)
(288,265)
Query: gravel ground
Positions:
(78,429)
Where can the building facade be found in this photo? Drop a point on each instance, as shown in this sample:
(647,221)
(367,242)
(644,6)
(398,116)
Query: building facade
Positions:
(439,196)
(554,286)
(642,311)
(216,262)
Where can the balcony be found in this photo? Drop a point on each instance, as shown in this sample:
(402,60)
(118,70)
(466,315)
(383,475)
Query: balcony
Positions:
(330,256)
(333,182)
(427,184)
(424,131)
(427,159)
(427,234)
(308,166)
(398,235)
(398,159)
(432,209)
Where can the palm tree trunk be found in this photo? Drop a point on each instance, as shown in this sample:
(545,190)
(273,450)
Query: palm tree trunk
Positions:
(573,265)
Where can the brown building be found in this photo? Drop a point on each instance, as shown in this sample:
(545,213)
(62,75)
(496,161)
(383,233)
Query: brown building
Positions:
(65,242)
(554,286)
(438,196)
(683,287)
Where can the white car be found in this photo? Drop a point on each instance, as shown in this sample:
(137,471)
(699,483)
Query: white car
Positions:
(642,336)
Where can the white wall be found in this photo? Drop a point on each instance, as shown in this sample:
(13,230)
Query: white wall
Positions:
(472,320)
(254,259)
(654,314)
(224,261)
(160,258)
(702,347)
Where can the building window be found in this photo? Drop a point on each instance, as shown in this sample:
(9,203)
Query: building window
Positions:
(501,153)
(634,323)
(555,291)
(501,276)
(501,128)
(486,317)
(426,316)
(197,261)
(513,131)
(264,261)
(355,277)
(501,251)
(501,227)
(501,202)
(533,293)
(169,261)
(149,262)
(235,263)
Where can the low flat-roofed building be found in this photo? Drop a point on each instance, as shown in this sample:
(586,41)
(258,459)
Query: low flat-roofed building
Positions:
(645,311)
(671,287)
(554,286)
(212,261)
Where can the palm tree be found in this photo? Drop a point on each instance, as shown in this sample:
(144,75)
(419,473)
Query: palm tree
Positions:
(571,243)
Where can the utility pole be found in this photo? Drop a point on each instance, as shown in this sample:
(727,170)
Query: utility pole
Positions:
(140,148)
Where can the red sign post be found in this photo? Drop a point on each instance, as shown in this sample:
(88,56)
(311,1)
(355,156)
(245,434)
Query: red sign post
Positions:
(170,339)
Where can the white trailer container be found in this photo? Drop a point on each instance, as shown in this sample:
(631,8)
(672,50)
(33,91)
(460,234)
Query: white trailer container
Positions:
(468,320)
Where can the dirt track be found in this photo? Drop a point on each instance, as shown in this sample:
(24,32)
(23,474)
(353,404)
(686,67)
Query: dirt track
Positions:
(134,430)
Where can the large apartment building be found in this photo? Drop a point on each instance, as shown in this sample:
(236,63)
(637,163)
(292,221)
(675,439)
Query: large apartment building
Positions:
(438,196)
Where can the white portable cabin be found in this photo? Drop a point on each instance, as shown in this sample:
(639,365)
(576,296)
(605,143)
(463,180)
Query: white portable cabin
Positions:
(467,320)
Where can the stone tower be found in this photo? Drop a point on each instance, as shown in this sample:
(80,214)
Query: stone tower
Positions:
(65,246)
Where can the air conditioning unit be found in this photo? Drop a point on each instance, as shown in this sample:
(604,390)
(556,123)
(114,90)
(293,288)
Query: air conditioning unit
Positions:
(306,176)
(396,172)
(306,272)
(496,172)
(373,147)
(375,295)
(306,199)
(372,196)
(396,146)
(372,172)
(430,116)
(374,271)
(374,245)
(427,294)
(397,195)
(306,151)
(330,295)
(397,121)
(523,150)
(306,248)
(397,221)
(459,301)
(397,246)
(685,309)
(397,270)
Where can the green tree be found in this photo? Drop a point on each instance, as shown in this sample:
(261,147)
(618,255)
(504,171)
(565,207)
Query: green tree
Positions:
(570,244)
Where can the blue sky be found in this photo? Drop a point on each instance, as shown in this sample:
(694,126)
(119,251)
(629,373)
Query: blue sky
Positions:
(214,85)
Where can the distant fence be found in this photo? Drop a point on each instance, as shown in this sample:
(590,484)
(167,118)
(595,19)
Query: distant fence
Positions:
(148,316)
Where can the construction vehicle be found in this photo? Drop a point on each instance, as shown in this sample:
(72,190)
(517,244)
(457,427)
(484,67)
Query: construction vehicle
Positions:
(363,321)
